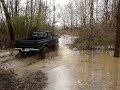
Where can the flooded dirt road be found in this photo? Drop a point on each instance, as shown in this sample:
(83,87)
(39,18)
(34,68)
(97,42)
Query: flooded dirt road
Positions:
(74,70)
(84,70)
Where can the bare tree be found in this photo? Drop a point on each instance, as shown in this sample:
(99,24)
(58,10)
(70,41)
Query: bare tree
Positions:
(26,16)
(106,11)
(31,22)
(39,15)
(45,14)
(117,43)
(91,14)
(62,16)
(84,16)
(10,28)
(71,12)
(54,16)
(11,5)
(90,32)
(16,7)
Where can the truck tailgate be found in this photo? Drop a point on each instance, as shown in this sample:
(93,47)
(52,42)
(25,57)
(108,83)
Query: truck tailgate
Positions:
(28,43)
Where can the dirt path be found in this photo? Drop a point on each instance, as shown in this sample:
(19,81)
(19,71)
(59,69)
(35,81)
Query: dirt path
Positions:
(74,70)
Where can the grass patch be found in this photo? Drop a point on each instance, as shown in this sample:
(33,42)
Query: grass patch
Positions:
(87,43)
(106,41)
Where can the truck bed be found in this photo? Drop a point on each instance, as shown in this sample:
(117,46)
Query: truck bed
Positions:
(30,43)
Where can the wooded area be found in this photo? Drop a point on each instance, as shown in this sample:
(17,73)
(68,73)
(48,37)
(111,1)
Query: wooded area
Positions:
(22,17)
(97,21)
(59,44)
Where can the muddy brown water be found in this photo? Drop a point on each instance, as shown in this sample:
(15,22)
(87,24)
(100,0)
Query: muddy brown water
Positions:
(75,70)
(84,70)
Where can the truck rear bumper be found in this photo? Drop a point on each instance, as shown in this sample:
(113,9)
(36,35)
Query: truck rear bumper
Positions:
(27,49)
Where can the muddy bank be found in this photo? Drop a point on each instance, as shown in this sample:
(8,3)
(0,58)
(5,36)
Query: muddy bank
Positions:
(10,81)
(33,81)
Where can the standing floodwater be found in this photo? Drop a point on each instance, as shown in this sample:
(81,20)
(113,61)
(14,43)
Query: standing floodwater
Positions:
(71,70)
(84,70)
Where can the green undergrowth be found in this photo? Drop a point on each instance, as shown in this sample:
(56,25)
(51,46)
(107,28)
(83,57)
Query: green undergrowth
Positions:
(87,43)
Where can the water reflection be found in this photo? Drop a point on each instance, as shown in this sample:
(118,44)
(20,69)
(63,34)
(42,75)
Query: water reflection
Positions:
(84,70)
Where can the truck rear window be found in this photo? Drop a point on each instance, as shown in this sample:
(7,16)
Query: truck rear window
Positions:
(39,34)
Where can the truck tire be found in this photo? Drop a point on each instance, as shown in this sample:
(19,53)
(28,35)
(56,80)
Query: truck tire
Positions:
(43,53)
(55,47)
(20,54)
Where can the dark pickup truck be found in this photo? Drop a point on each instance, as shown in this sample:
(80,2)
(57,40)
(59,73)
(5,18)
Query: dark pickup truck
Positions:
(39,41)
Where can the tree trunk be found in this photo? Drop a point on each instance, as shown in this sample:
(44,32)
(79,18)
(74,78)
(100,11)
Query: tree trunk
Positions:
(45,17)
(106,11)
(16,7)
(26,16)
(31,22)
(11,5)
(54,14)
(84,17)
(39,15)
(91,33)
(10,28)
(117,43)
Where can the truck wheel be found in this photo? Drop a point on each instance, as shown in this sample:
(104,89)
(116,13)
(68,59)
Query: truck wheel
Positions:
(43,53)
(20,54)
(55,47)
